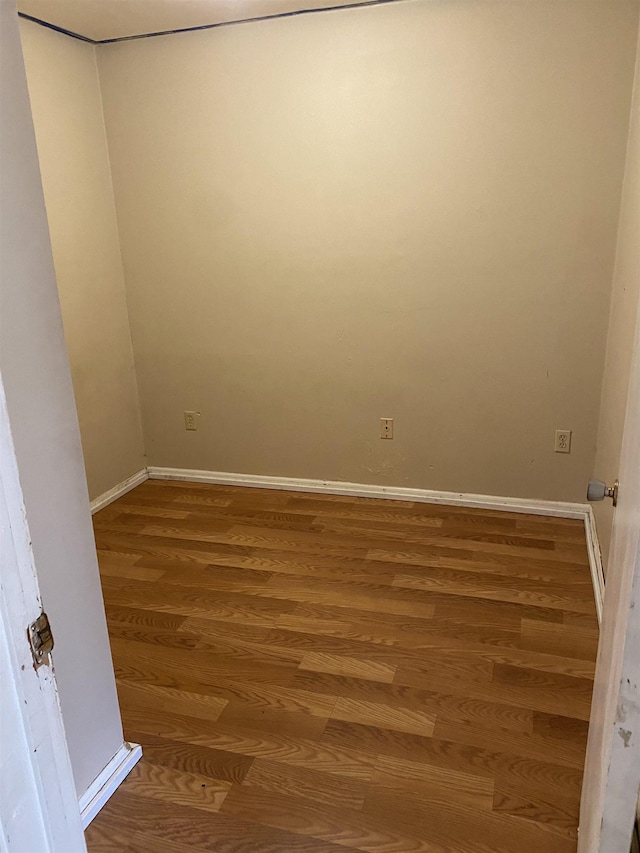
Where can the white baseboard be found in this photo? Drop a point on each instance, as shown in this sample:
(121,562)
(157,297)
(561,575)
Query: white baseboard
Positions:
(105,784)
(595,560)
(335,487)
(119,490)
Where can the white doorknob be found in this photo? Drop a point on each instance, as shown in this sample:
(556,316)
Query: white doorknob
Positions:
(598,491)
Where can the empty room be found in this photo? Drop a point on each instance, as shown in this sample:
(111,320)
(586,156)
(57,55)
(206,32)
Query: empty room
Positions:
(324,413)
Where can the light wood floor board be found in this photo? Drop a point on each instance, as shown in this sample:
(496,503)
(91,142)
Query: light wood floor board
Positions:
(312,673)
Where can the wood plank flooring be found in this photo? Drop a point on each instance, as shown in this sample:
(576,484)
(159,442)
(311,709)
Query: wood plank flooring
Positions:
(312,673)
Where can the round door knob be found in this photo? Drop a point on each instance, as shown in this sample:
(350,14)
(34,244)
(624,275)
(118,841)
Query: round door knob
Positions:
(598,491)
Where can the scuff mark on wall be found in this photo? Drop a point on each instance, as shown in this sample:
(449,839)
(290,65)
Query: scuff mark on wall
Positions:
(625,734)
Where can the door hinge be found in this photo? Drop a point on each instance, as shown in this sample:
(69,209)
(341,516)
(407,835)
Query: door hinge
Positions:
(40,639)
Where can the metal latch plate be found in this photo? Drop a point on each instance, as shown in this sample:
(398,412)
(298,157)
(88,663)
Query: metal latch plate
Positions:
(40,639)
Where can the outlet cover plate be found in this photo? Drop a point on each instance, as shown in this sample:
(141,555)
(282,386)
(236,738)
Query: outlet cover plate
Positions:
(191,420)
(386,427)
(562,442)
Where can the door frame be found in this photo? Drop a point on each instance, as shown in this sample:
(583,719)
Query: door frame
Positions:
(611,780)
(39,806)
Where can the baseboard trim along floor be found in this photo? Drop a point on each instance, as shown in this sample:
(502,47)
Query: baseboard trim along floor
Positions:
(595,559)
(107,782)
(117,491)
(368,490)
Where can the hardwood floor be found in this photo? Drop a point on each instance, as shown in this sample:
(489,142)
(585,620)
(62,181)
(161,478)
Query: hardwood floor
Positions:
(312,673)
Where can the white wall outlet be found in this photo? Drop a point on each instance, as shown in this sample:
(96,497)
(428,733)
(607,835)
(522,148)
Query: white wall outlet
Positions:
(191,420)
(386,427)
(563,441)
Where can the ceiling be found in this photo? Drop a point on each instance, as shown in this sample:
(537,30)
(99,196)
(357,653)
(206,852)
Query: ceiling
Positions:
(111,19)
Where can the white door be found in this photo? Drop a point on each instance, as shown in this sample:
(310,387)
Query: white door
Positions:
(612,769)
(39,810)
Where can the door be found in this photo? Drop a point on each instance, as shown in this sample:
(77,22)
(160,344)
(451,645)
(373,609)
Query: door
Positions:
(38,803)
(612,768)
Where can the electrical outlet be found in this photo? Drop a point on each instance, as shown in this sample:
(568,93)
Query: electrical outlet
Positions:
(191,420)
(563,441)
(386,427)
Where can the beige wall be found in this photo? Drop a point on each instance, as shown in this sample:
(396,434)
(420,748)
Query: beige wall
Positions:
(406,211)
(35,376)
(624,306)
(67,109)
